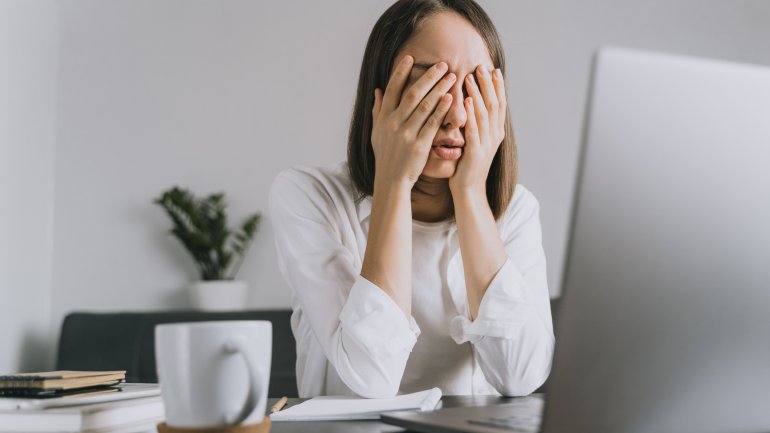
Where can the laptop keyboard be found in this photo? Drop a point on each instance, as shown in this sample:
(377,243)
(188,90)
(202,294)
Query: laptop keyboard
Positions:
(529,423)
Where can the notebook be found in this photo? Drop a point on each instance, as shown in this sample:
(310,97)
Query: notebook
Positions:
(330,408)
(125,391)
(53,382)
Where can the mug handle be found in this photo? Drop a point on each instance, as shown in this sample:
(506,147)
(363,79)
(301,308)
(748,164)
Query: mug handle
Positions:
(256,377)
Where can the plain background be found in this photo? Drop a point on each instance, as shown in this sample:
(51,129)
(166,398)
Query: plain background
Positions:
(104,104)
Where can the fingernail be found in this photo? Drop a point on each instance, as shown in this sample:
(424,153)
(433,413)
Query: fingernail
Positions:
(406,60)
(499,73)
(451,77)
(441,67)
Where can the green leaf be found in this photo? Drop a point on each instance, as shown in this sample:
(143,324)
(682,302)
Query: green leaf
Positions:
(200,225)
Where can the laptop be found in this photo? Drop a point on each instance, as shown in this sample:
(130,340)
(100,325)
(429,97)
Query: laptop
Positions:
(665,321)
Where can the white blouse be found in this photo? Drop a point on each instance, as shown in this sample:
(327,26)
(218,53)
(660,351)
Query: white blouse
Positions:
(352,338)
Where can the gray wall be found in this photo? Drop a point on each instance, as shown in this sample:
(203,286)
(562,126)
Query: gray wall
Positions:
(221,95)
(27,131)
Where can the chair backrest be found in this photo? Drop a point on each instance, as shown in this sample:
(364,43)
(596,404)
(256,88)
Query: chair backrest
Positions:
(126,341)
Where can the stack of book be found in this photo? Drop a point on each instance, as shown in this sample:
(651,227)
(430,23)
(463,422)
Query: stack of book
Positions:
(93,402)
(53,383)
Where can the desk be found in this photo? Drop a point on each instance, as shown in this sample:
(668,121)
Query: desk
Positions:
(370,426)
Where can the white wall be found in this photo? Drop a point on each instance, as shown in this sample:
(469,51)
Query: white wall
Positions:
(209,95)
(220,95)
(27,120)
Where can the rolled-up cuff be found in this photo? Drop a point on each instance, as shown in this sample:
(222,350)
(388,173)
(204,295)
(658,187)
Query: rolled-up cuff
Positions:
(374,321)
(504,309)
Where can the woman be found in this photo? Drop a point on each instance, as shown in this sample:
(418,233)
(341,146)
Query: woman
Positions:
(419,262)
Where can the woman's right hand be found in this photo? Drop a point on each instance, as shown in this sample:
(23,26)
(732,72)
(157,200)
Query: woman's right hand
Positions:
(404,127)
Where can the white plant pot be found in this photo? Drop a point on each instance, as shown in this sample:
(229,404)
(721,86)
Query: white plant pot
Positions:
(220,295)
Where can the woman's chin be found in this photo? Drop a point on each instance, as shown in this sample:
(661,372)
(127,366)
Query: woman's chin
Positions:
(439,168)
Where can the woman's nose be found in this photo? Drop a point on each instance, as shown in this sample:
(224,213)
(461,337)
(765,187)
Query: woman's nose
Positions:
(456,116)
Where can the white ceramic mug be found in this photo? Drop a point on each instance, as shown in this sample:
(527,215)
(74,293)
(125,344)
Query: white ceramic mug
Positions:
(214,374)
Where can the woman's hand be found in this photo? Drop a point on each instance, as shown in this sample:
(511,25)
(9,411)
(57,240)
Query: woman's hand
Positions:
(482,248)
(484,131)
(404,127)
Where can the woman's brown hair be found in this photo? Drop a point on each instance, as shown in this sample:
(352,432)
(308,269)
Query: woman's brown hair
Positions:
(391,31)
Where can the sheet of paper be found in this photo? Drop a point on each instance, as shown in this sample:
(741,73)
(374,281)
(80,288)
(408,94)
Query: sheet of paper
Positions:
(341,408)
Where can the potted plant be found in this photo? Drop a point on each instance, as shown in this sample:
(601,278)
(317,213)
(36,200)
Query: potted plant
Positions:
(201,226)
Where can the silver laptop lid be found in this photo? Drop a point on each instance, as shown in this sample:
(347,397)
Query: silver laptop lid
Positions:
(665,322)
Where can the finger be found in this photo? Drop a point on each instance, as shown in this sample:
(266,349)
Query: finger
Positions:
(377,103)
(480,111)
(487,91)
(396,84)
(472,137)
(502,99)
(428,104)
(417,91)
(434,122)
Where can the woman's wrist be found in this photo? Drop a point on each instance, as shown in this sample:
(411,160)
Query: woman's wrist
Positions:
(392,187)
(472,195)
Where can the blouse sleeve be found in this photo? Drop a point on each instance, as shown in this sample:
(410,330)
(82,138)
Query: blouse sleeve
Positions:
(364,334)
(513,333)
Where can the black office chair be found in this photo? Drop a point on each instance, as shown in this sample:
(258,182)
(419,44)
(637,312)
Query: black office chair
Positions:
(126,341)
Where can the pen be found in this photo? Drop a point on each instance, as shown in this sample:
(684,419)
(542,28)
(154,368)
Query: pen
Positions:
(279,405)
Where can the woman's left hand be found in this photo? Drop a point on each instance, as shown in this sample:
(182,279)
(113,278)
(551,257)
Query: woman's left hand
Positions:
(484,130)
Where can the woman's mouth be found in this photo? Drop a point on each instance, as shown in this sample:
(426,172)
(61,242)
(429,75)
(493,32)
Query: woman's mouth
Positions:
(448,152)
(448,148)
